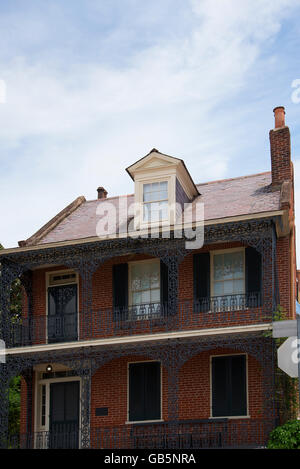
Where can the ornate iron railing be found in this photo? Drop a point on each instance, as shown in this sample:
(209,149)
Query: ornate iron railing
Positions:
(189,434)
(211,312)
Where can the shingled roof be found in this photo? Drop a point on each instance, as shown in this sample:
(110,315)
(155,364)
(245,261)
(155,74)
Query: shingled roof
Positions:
(247,195)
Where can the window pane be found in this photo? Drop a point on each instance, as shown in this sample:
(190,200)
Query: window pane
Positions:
(155,296)
(218,288)
(218,267)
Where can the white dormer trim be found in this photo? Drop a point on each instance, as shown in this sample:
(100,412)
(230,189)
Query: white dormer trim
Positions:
(158,167)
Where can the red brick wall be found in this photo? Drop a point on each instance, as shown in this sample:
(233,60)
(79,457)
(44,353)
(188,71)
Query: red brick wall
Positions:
(280,155)
(109,389)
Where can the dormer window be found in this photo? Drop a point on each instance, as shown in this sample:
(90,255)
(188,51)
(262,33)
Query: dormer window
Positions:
(163,186)
(155,202)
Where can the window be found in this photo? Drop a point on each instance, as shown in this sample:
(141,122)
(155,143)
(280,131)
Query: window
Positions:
(144,391)
(155,202)
(229,383)
(228,273)
(144,286)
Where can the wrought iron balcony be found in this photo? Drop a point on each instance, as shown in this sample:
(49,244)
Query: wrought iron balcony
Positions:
(188,434)
(218,311)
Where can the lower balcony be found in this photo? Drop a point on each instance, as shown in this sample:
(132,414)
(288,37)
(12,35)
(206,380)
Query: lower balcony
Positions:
(218,311)
(188,434)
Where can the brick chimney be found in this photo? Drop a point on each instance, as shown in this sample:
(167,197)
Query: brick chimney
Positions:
(280,143)
(102,193)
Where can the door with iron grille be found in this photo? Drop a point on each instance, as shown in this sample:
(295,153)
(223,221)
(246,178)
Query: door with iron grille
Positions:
(64,415)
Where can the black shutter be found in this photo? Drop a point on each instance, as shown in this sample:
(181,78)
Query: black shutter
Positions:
(253,277)
(229,394)
(164,282)
(238,385)
(144,391)
(152,391)
(136,392)
(201,281)
(120,291)
(220,387)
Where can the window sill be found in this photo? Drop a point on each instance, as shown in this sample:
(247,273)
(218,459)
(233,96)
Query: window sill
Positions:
(143,421)
(231,417)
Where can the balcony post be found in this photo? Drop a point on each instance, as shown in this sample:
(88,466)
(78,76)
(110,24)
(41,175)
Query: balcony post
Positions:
(26,280)
(8,274)
(4,405)
(85,429)
(171,260)
(28,376)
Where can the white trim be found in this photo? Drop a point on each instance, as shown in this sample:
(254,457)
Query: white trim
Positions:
(141,338)
(247,386)
(161,392)
(225,251)
(130,264)
(139,222)
(47,382)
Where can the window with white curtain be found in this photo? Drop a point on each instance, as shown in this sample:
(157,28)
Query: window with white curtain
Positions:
(229,273)
(144,285)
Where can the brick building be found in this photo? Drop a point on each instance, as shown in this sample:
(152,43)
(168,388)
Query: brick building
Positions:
(132,335)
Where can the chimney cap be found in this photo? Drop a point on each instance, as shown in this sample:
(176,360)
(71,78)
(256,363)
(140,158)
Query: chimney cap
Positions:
(279,114)
(102,193)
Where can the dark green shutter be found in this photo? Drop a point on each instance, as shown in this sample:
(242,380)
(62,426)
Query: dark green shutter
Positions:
(164,281)
(238,385)
(253,275)
(229,394)
(201,267)
(144,391)
(120,291)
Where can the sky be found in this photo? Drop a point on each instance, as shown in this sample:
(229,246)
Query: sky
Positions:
(91,86)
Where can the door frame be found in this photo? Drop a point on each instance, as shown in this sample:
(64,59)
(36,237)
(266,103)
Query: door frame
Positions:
(38,402)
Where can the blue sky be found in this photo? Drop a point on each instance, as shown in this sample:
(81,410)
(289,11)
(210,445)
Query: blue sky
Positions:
(92,86)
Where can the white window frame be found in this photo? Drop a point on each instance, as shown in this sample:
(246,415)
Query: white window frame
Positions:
(225,251)
(139,193)
(132,263)
(128,422)
(233,417)
(48,284)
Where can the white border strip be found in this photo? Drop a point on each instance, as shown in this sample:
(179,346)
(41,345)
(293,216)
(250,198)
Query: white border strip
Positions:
(140,338)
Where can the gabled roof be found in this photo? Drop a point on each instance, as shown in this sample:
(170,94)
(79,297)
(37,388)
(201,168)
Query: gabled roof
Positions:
(237,197)
(159,161)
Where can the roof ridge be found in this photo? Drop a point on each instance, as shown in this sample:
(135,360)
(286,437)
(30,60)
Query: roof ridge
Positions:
(233,179)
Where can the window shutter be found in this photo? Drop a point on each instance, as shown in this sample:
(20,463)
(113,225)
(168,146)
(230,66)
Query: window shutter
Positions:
(144,391)
(220,387)
(120,291)
(238,385)
(229,393)
(152,391)
(201,281)
(136,392)
(164,282)
(253,276)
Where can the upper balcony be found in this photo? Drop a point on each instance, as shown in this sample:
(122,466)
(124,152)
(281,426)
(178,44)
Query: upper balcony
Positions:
(110,291)
(154,318)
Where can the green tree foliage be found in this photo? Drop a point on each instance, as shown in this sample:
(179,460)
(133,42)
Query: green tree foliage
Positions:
(286,436)
(14,406)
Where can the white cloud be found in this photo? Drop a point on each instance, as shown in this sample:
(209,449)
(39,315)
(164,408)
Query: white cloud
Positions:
(72,128)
